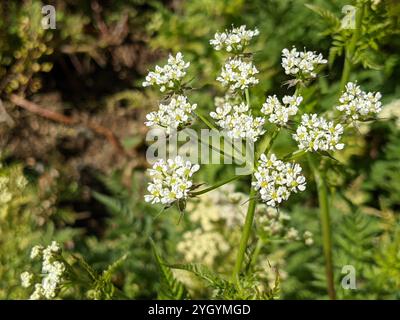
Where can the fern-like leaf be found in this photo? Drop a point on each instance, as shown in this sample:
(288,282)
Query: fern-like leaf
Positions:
(171,288)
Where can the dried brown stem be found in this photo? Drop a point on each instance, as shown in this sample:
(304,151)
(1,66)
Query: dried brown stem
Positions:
(69,121)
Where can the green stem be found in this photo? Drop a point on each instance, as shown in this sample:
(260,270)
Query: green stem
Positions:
(350,50)
(247,94)
(266,143)
(257,250)
(221,152)
(323,200)
(200,192)
(206,122)
(245,234)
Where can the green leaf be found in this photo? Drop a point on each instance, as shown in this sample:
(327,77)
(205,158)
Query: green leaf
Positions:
(202,272)
(171,288)
(327,15)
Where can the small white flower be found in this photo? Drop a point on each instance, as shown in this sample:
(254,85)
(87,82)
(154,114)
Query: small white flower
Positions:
(276,180)
(169,76)
(238,74)
(238,122)
(38,293)
(26,279)
(315,133)
(172,116)
(292,234)
(205,246)
(36,252)
(52,272)
(171,180)
(359,105)
(234,40)
(302,64)
(279,113)
(308,238)
(54,247)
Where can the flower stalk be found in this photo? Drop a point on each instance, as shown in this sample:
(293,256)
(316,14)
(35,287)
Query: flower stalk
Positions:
(323,200)
(350,50)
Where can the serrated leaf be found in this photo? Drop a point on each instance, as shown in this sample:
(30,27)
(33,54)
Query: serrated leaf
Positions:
(171,288)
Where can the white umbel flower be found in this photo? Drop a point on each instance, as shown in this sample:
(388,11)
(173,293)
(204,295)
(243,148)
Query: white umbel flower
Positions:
(53,269)
(278,112)
(172,116)
(171,180)
(36,251)
(308,238)
(301,64)
(26,279)
(359,105)
(238,74)
(276,180)
(204,246)
(169,76)
(235,39)
(316,133)
(237,121)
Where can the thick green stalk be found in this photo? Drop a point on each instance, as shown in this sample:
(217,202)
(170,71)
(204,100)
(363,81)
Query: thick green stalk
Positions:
(351,48)
(323,200)
(248,221)
(245,234)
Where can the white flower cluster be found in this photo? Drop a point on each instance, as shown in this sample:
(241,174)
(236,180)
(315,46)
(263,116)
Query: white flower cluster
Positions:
(218,217)
(315,133)
(235,39)
(26,279)
(172,116)
(52,272)
(308,238)
(278,112)
(169,76)
(359,105)
(238,74)
(276,223)
(301,63)
(276,180)
(222,206)
(272,221)
(171,180)
(203,246)
(237,121)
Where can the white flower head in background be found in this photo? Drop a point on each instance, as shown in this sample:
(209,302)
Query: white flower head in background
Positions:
(233,40)
(26,279)
(36,252)
(301,64)
(278,112)
(238,74)
(308,238)
(203,246)
(237,121)
(359,105)
(276,180)
(168,77)
(52,272)
(315,133)
(172,116)
(171,180)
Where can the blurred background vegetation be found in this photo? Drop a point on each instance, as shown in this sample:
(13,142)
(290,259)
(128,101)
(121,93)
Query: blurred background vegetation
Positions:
(71,124)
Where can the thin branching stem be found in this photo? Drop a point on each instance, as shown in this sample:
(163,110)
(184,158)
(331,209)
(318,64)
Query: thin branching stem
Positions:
(351,48)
